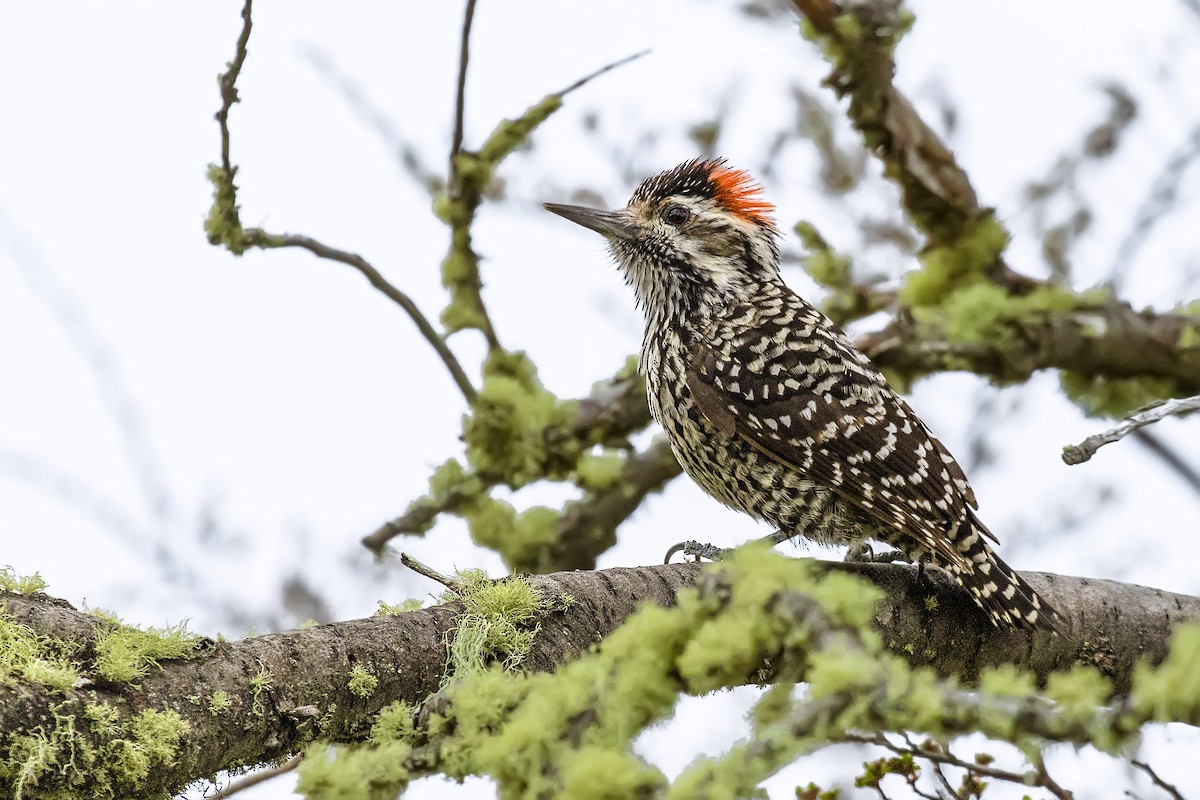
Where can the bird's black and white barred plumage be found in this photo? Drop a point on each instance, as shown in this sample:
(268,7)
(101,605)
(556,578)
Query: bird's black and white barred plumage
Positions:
(770,407)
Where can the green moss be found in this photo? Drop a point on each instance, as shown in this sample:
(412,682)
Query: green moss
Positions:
(498,624)
(460,267)
(947,265)
(595,773)
(1007,681)
(394,724)
(125,653)
(596,472)
(260,684)
(823,264)
(363,682)
(506,431)
(984,313)
(1170,692)
(404,607)
(219,703)
(519,538)
(224,225)
(126,752)
(1114,397)
(1080,691)
(25,656)
(10,581)
(358,773)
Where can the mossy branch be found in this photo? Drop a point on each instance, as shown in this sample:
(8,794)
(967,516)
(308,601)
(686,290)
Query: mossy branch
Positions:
(279,692)
(615,409)
(471,173)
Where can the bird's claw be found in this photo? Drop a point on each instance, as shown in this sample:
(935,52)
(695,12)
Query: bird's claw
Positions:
(696,550)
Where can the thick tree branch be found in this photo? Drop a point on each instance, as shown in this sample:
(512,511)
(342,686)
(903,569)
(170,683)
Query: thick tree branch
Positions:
(308,695)
(1110,340)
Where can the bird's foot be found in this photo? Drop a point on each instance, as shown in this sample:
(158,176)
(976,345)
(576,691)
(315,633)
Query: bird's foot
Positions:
(696,550)
(861,553)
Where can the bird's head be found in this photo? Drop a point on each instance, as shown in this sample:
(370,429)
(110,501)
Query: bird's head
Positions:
(692,239)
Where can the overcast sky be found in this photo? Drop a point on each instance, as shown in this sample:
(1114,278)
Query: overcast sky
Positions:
(182,431)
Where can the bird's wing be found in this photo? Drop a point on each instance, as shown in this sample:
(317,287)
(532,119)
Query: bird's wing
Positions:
(795,388)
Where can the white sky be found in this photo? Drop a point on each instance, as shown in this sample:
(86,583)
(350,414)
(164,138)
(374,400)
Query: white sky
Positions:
(180,430)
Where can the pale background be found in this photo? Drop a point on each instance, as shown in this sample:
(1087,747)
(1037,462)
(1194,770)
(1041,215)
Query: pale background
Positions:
(186,434)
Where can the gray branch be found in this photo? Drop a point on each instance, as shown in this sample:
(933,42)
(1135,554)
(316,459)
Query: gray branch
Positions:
(1078,453)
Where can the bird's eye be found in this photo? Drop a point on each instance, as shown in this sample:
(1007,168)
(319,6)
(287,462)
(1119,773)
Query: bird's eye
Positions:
(676,215)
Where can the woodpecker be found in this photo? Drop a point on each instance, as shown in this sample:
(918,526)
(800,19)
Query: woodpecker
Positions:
(769,406)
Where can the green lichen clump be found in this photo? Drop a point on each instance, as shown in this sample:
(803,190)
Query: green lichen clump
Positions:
(559,734)
(571,733)
(1170,692)
(260,683)
(219,703)
(498,624)
(457,206)
(393,609)
(125,653)
(224,224)
(521,538)
(10,581)
(950,264)
(1114,397)
(982,313)
(113,760)
(823,264)
(363,682)
(25,656)
(506,431)
(595,472)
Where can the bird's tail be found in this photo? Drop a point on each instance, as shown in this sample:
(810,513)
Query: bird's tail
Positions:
(1004,595)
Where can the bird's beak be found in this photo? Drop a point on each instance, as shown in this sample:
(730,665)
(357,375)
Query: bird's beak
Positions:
(611,224)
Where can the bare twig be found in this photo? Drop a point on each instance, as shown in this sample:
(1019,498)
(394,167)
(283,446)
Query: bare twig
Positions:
(1159,782)
(225,226)
(620,62)
(460,95)
(1048,783)
(260,238)
(1077,454)
(936,757)
(261,776)
(229,93)
(430,572)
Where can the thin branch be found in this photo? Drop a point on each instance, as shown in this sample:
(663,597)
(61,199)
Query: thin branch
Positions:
(1048,783)
(620,62)
(224,224)
(1159,782)
(228,81)
(430,572)
(460,95)
(260,776)
(260,238)
(1077,454)
(615,409)
(946,757)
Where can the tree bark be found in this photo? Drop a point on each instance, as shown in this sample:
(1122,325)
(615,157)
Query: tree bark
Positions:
(930,622)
